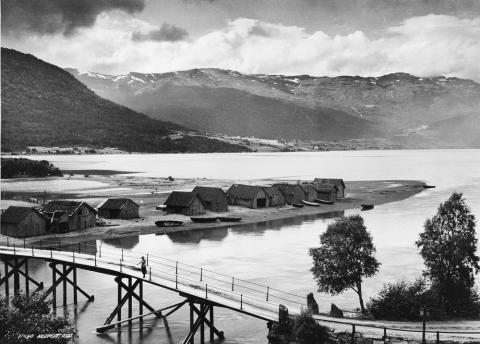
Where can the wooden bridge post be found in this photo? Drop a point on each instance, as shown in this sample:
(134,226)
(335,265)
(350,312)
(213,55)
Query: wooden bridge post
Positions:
(7,288)
(140,305)
(27,284)
(119,299)
(202,325)
(54,282)
(16,277)
(75,282)
(64,285)
(130,301)
(192,339)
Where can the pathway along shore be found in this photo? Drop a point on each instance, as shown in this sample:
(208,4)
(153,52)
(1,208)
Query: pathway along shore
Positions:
(358,192)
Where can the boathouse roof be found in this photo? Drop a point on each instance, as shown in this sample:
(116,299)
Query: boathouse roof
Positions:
(244,191)
(208,193)
(181,198)
(116,203)
(69,207)
(335,181)
(15,214)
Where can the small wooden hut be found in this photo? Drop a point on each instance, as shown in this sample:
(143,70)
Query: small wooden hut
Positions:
(327,192)
(337,182)
(186,203)
(311,191)
(119,208)
(293,193)
(214,199)
(23,222)
(68,216)
(250,196)
(275,196)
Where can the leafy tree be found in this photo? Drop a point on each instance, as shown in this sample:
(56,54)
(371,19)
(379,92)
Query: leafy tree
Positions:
(448,247)
(32,322)
(345,257)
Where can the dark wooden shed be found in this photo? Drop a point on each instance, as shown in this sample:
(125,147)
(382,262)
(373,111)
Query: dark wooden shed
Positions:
(68,216)
(250,196)
(119,208)
(293,193)
(186,203)
(311,191)
(327,192)
(23,222)
(275,196)
(337,182)
(214,199)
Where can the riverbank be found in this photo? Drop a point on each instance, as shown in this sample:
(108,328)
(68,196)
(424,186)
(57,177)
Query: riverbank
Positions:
(150,192)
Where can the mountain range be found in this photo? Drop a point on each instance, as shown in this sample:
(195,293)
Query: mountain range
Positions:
(414,112)
(43,105)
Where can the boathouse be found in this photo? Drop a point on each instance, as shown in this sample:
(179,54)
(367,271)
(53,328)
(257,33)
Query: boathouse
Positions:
(214,199)
(186,203)
(337,182)
(275,197)
(293,193)
(327,192)
(311,191)
(250,196)
(69,216)
(23,222)
(119,208)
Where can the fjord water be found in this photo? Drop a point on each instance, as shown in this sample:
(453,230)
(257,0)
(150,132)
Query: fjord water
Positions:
(275,253)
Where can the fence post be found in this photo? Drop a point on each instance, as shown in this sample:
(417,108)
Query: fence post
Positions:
(176,268)
(438,337)
(233,282)
(206,291)
(424,325)
(14,250)
(73,256)
(122,254)
(241,301)
(51,253)
(353,334)
(23,242)
(176,281)
(384,333)
(120,265)
(100,251)
(147,258)
(95,260)
(150,273)
(268,290)
(201,274)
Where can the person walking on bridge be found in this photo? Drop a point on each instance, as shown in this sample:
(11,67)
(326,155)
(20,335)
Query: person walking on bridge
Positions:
(143,266)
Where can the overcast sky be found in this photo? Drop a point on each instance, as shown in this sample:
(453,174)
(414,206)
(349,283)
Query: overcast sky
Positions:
(316,37)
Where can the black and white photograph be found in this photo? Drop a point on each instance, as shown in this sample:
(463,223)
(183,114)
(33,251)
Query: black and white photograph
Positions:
(240,171)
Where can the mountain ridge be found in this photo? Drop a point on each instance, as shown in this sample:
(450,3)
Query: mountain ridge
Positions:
(393,106)
(43,105)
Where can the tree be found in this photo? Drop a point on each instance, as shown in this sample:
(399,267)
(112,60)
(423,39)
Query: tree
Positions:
(31,321)
(448,247)
(345,257)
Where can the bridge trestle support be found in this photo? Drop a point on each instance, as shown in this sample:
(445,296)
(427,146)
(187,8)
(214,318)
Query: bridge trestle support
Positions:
(13,268)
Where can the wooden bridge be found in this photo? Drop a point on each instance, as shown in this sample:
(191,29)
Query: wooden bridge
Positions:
(201,289)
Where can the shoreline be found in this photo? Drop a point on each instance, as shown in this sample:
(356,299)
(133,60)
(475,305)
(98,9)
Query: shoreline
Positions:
(140,190)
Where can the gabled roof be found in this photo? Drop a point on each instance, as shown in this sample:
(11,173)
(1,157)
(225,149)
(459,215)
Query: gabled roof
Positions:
(181,199)
(244,191)
(69,207)
(333,181)
(271,190)
(326,187)
(288,189)
(116,203)
(15,214)
(308,187)
(209,194)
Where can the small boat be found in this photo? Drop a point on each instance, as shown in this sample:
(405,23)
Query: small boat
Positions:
(203,219)
(229,219)
(161,207)
(311,204)
(425,186)
(324,201)
(366,206)
(168,223)
(298,205)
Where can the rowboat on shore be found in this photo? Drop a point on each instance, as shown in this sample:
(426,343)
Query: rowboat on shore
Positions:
(203,219)
(366,206)
(229,219)
(168,223)
(323,201)
(161,207)
(311,204)
(425,186)
(298,205)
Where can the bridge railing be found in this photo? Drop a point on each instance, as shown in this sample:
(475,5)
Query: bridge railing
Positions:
(240,290)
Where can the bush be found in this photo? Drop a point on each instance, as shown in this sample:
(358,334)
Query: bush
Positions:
(402,301)
(307,331)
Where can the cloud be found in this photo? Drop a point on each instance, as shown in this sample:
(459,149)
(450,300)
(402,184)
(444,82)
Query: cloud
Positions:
(52,16)
(424,46)
(166,33)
